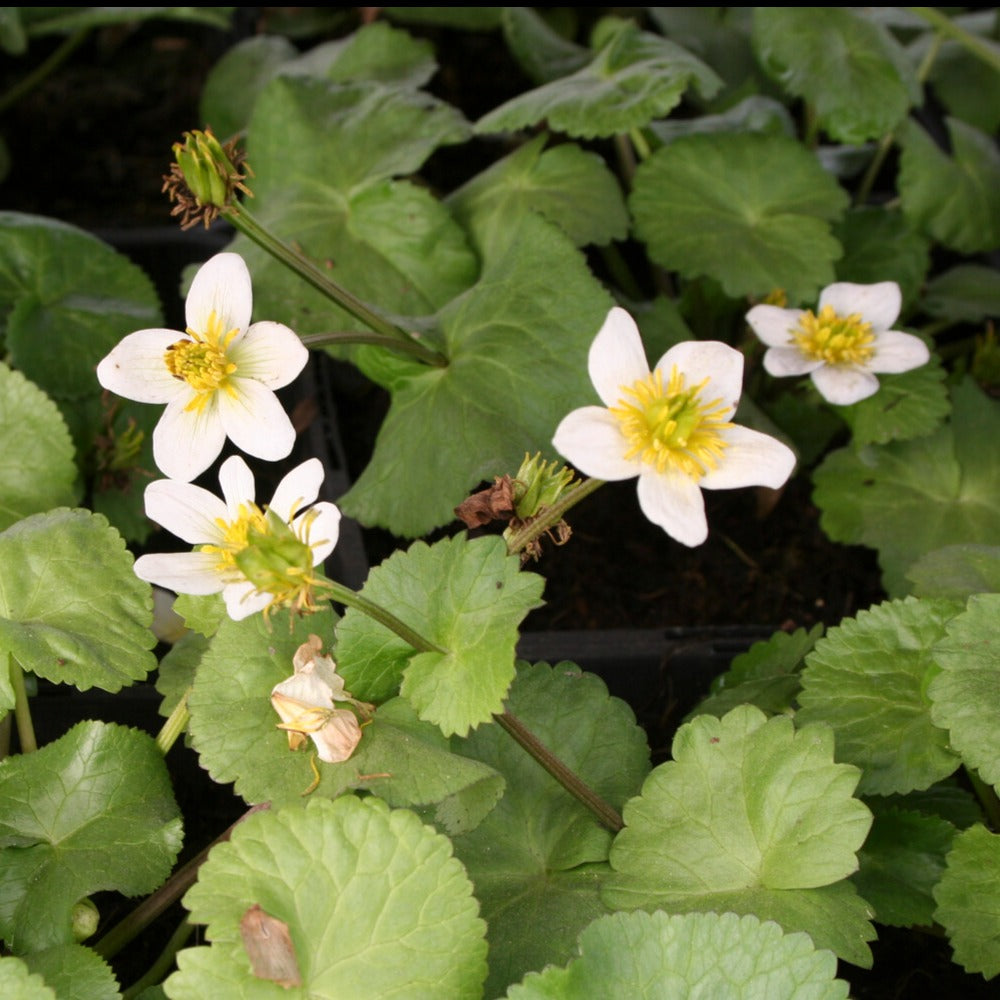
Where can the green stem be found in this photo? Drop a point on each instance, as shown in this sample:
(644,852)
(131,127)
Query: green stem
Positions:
(164,897)
(362,337)
(159,969)
(946,26)
(175,725)
(640,144)
(987,797)
(551,516)
(577,788)
(47,68)
(865,187)
(22,710)
(352,599)
(244,221)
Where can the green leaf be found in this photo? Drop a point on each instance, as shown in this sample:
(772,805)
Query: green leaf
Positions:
(92,811)
(881,245)
(752,114)
(66,299)
(201,613)
(374,902)
(957,571)
(464,18)
(947,800)
(538,859)
(955,199)
(908,405)
(851,71)
(467,597)
(868,679)
(747,210)
(648,956)
(566,185)
(901,862)
(37,471)
(969,88)
(541,52)
(74,612)
(18,983)
(752,816)
(65,20)
(74,972)
(177,669)
(909,498)
(968,898)
(965,696)
(635,77)
(517,346)
(969,292)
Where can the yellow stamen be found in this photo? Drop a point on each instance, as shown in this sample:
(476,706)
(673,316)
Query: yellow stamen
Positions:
(235,537)
(202,361)
(834,339)
(669,427)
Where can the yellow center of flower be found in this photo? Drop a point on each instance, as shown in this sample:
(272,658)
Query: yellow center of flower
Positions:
(669,427)
(834,339)
(235,537)
(202,361)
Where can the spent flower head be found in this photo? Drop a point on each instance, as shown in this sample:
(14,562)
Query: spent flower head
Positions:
(844,344)
(217,378)
(258,559)
(670,427)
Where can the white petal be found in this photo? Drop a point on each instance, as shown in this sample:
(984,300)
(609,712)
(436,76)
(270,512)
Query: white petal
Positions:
(182,572)
(222,286)
(185,510)
(591,439)
(674,502)
(255,421)
(783,361)
(898,352)
(137,369)
(336,741)
(187,442)
(243,599)
(237,484)
(878,304)
(721,364)
(270,353)
(751,459)
(616,357)
(298,489)
(842,385)
(319,528)
(774,325)
(307,688)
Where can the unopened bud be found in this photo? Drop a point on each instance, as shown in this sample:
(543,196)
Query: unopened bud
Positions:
(539,484)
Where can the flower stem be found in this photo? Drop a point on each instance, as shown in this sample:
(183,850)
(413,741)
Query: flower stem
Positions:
(987,797)
(570,781)
(551,516)
(152,906)
(362,337)
(244,221)
(946,26)
(352,599)
(159,969)
(22,711)
(175,725)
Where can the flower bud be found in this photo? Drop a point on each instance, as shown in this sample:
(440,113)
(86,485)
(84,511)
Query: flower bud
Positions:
(84,919)
(538,484)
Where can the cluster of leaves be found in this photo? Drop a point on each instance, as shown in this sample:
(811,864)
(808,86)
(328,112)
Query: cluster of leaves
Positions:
(812,794)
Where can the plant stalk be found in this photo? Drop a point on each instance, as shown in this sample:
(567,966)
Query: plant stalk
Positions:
(22,710)
(946,26)
(570,781)
(158,970)
(175,725)
(551,516)
(244,221)
(362,337)
(987,797)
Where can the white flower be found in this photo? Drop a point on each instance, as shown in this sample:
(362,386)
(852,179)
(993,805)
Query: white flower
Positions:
(670,427)
(844,345)
(217,378)
(256,559)
(306,704)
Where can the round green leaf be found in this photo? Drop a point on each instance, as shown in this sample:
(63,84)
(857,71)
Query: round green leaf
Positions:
(37,471)
(18,983)
(74,612)
(67,299)
(750,211)
(74,972)
(648,956)
(868,679)
(375,904)
(968,292)
(957,571)
(92,811)
(968,898)
(965,696)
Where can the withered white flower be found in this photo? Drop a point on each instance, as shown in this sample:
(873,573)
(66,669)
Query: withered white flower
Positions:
(670,427)
(306,704)
(844,345)
(256,559)
(217,378)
